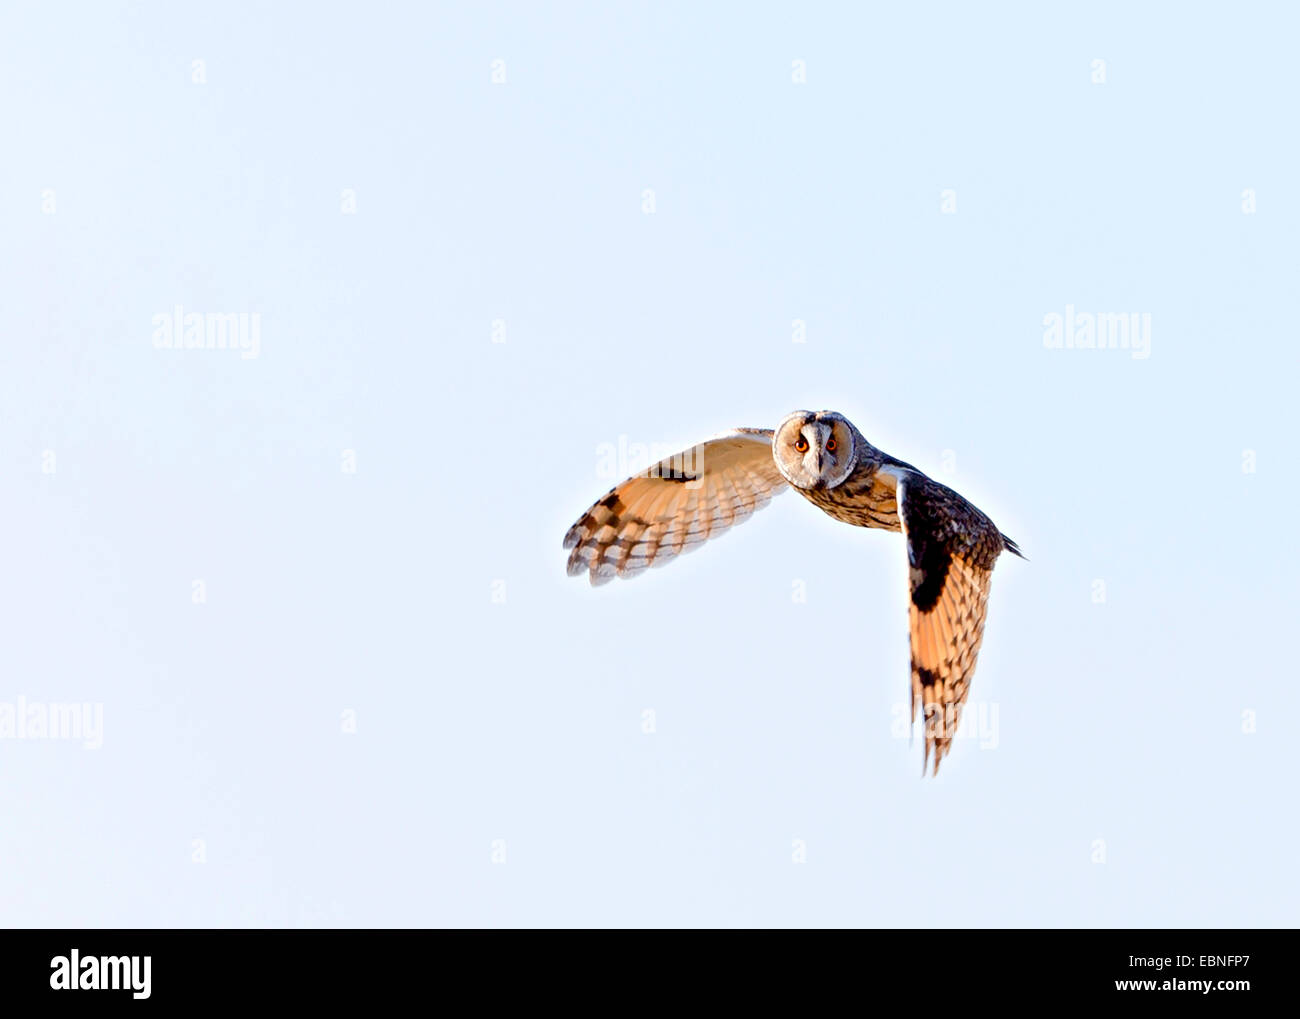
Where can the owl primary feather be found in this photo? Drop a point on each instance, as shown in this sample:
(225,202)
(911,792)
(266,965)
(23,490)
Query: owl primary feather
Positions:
(681,502)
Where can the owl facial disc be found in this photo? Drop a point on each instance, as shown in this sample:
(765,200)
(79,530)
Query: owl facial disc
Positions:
(815,450)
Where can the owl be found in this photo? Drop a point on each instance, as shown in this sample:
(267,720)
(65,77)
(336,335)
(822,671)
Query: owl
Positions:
(680,503)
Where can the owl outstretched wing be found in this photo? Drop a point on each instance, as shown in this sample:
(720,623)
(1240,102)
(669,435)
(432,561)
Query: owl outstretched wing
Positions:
(951,549)
(675,506)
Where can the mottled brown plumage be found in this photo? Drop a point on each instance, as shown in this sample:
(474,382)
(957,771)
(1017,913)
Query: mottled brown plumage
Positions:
(951,549)
(675,506)
(683,501)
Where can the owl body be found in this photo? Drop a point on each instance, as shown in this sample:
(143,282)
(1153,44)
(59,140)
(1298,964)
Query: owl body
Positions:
(866,498)
(951,546)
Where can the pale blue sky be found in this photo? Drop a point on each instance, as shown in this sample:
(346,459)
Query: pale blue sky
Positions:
(129,188)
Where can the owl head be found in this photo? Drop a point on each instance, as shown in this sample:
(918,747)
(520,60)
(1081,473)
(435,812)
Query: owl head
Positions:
(815,450)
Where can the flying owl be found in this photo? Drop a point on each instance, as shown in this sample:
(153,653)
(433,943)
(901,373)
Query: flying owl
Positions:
(681,502)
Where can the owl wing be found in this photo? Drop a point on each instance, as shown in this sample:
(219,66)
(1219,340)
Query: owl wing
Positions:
(951,549)
(675,506)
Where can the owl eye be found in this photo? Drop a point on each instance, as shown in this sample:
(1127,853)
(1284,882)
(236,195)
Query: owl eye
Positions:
(830,445)
(801,444)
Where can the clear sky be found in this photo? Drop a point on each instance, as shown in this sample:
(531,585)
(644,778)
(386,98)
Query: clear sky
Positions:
(316,596)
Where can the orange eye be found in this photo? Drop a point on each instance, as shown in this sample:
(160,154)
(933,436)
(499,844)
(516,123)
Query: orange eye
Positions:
(801,444)
(830,445)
